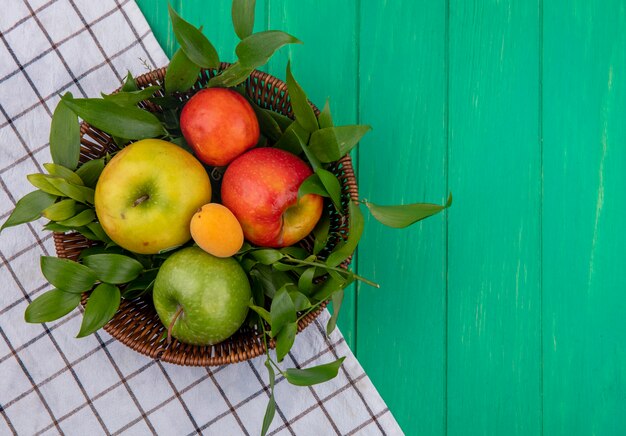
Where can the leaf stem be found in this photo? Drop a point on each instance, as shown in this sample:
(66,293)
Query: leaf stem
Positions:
(267,348)
(324,266)
(310,309)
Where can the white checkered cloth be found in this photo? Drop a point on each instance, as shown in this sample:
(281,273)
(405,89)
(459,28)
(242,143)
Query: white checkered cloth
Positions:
(52,383)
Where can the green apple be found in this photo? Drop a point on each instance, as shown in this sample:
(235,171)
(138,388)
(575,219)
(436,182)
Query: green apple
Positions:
(206,296)
(147,194)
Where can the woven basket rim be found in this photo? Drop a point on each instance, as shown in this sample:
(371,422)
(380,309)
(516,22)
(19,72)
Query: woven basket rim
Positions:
(144,337)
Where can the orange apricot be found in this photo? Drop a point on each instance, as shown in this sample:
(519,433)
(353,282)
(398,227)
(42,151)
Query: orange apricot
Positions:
(216,230)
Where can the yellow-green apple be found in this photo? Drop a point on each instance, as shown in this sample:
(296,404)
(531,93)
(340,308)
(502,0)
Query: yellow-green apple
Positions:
(206,297)
(219,124)
(147,194)
(261,188)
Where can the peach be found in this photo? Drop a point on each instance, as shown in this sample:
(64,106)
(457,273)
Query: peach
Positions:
(216,230)
(219,124)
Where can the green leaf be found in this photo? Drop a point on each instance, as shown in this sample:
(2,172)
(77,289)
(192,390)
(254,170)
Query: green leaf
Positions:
(81,219)
(87,233)
(65,135)
(407,214)
(332,143)
(122,121)
(337,299)
(90,172)
(267,123)
(243,17)
(231,76)
(285,339)
(332,185)
(312,185)
(129,84)
(142,284)
(325,119)
(282,311)
(283,121)
(67,275)
(98,232)
(100,249)
(262,312)
(168,102)
(181,73)
(101,307)
(300,104)
(294,251)
(29,208)
(82,194)
(131,98)
(305,282)
(293,139)
(300,301)
(54,227)
(113,268)
(61,171)
(346,248)
(267,256)
(313,375)
(331,286)
(195,45)
(320,232)
(270,411)
(41,181)
(269,279)
(50,306)
(60,211)
(256,49)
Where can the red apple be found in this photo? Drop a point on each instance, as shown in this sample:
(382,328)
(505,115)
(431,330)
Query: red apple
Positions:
(219,124)
(261,188)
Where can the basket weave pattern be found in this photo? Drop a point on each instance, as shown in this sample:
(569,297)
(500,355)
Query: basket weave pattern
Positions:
(136,323)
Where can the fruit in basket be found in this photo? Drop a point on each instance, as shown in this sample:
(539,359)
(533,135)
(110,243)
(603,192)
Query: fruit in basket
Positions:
(147,194)
(261,189)
(219,124)
(216,230)
(207,297)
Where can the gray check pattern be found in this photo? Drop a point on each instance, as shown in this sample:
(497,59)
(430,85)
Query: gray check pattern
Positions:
(52,383)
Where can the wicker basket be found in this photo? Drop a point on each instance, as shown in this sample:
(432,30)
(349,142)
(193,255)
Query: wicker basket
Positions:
(136,324)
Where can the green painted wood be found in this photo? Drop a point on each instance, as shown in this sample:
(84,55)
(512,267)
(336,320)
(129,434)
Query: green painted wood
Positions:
(156,13)
(584,238)
(494,246)
(401,326)
(326,66)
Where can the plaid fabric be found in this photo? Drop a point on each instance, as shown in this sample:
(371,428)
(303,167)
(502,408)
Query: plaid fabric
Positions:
(52,383)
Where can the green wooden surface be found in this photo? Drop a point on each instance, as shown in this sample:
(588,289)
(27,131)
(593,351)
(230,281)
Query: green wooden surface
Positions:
(506,315)
(584,279)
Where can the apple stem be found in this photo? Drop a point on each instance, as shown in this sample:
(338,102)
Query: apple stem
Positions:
(169,329)
(140,200)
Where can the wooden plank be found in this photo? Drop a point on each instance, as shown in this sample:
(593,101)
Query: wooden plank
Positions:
(157,16)
(494,265)
(326,66)
(584,238)
(401,326)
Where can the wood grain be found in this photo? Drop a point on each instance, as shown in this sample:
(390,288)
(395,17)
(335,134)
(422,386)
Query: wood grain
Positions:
(156,13)
(401,326)
(584,237)
(494,251)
